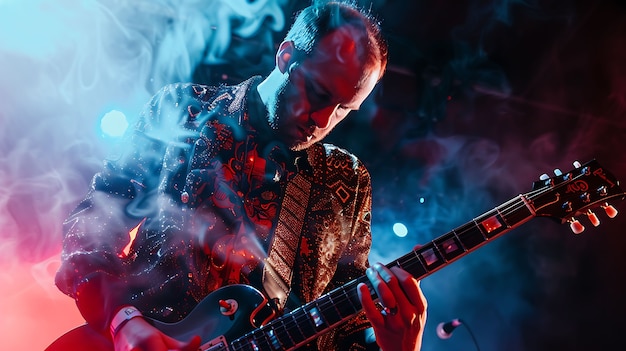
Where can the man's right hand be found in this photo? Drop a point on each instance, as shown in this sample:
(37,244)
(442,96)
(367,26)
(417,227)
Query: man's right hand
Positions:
(139,335)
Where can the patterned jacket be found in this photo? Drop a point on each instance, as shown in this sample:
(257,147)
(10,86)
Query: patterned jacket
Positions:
(191,203)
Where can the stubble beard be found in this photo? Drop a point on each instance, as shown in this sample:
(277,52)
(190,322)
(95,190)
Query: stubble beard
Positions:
(274,106)
(276,111)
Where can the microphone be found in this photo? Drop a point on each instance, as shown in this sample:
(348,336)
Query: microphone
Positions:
(444,330)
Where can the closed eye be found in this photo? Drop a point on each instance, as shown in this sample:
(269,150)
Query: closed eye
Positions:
(317,95)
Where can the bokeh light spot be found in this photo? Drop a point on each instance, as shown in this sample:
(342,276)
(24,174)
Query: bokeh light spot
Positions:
(400,230)
(114,123)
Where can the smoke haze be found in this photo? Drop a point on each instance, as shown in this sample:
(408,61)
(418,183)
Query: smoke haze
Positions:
(479,100)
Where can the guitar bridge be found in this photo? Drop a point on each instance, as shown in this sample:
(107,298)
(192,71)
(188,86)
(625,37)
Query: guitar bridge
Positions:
(217,344)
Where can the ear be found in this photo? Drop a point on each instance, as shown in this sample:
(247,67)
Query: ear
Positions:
(284,56)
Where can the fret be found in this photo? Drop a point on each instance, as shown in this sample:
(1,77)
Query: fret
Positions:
(521,213)
(461,243)
(272,338)
(401,262)
(418,259)
(450,246)
(292,326)
(470,235)
(248,343)
(329,310)
(346,310)
(354,295)
(282,333)
(407,262)
(258,340)
(490,224)
(316,316)
(238,345)
(235,345)
(430,256)
(304,322)
(412,265)
(480,229)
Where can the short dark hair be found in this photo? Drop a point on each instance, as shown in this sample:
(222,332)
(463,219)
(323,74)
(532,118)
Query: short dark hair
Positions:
(321,18)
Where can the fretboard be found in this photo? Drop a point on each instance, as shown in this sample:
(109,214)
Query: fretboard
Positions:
(307,322)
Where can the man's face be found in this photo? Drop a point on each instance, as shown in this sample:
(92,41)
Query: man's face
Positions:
(320,90)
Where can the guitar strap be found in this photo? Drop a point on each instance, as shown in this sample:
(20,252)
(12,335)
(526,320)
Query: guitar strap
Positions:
(278,267)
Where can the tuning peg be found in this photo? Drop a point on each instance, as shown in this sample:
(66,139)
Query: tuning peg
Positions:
(567,206)
(557,172)
(593,218)
(610,210)
(577,164)
(585,197)
(544,177)
(575,226)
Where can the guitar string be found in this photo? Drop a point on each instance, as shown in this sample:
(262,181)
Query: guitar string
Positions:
(302,314)
(504,210)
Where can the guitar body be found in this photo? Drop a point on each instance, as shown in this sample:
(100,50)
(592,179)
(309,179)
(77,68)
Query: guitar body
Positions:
(209,319)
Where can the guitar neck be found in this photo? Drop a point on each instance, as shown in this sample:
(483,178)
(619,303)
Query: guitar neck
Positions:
(307,322)
(466,238)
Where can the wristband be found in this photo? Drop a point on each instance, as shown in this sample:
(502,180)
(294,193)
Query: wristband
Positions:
(122,316)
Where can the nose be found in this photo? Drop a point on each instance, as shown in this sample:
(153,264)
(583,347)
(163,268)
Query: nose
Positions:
(321,118)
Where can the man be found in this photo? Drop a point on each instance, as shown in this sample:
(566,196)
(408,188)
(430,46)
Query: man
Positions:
(230,185)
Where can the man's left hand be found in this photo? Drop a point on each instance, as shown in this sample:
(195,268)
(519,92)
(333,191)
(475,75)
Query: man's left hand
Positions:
(399,319)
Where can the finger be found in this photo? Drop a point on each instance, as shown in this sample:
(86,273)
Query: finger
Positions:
(411,288)
(422,306)
(422,297)
(392,285)
(415,298)
(371,312)
(385,295)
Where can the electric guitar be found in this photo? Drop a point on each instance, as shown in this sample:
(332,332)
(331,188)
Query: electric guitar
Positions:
(238,317)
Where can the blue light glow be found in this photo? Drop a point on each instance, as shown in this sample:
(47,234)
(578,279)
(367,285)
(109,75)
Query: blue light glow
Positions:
(400,230)
(114,123)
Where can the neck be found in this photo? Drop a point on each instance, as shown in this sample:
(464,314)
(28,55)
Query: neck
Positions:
(269,86)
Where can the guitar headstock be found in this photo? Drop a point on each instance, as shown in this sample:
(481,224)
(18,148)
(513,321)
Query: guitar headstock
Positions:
(569,195)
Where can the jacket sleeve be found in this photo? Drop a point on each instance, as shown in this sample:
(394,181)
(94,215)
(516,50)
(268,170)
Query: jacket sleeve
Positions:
(96,234)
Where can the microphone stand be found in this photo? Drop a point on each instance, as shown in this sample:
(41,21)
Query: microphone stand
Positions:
(471,334)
